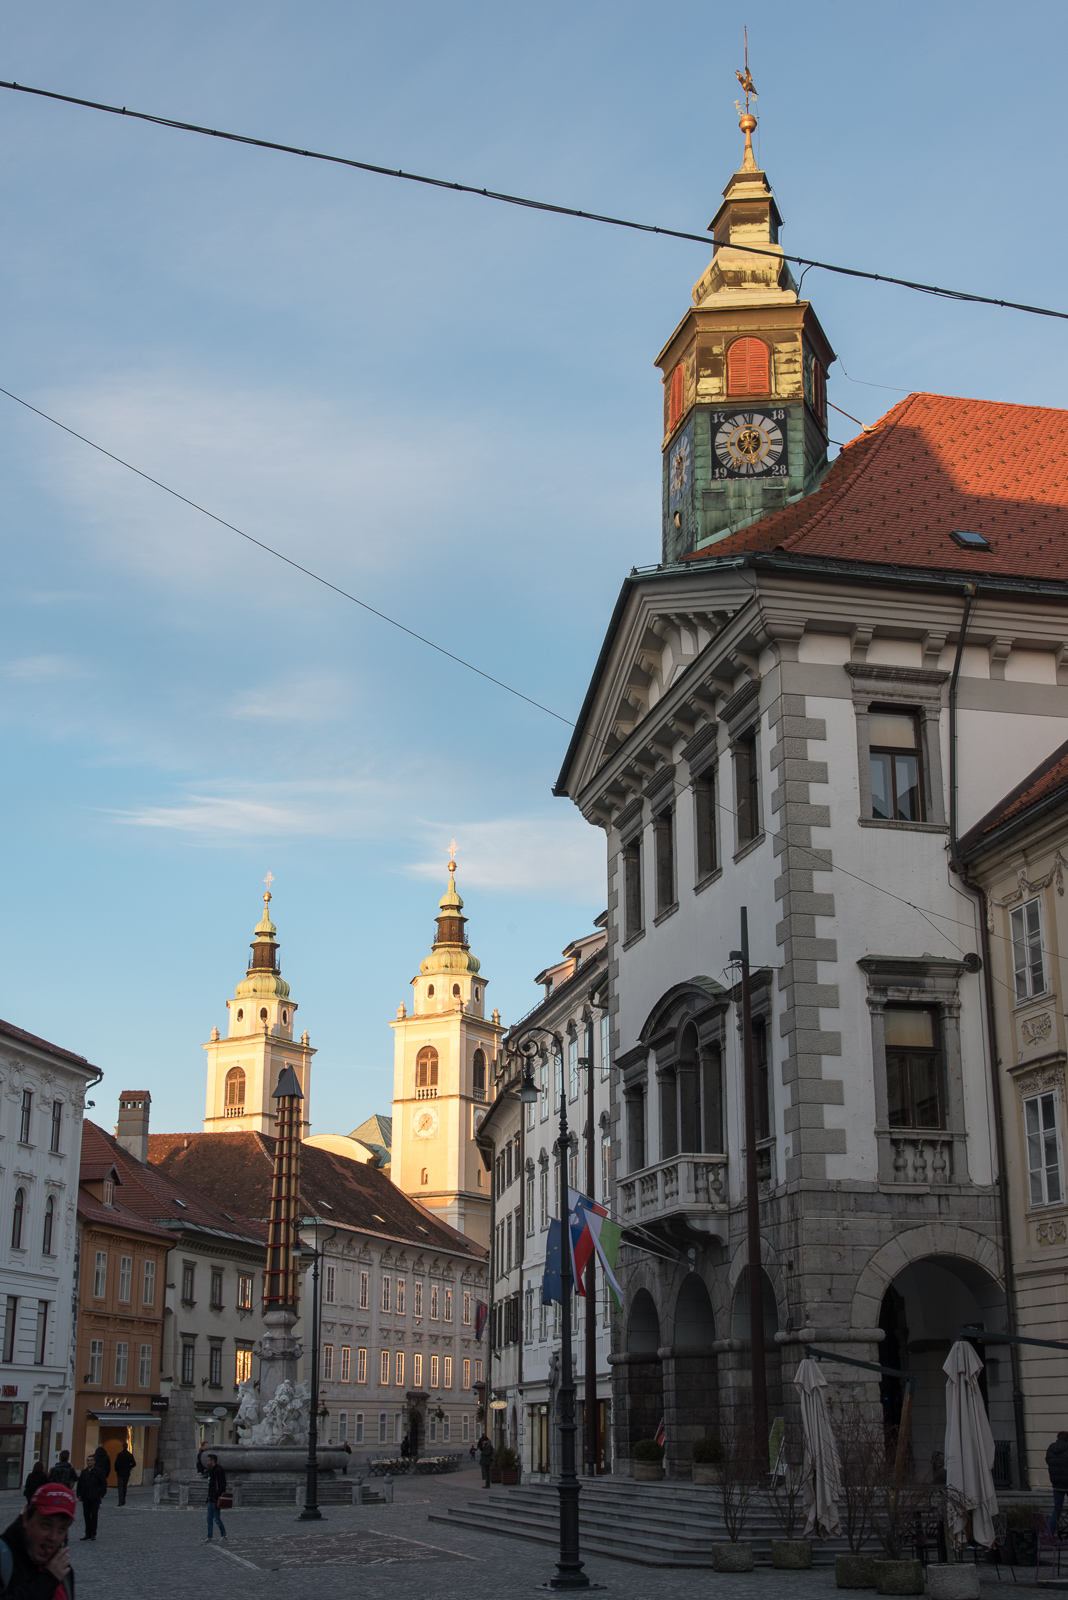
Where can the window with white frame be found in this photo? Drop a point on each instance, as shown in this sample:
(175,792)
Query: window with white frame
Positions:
(399,1297)
(418,1307)
(144,1367)
(346,1362)
(543,1074)
(96,1360)
(467,1372)
(446,1376)
(417,1370)
(122,1360)
(148,1288)
(398,1369)
(572,1069)
(434,1368)
(446,1308)
(1043,1150)
(530,1203)
(364,1291)
(465,1427)
(328,1362)
(467,1308)
(606,1047)
(383,1426)
(387,1288)
(329,1281)
(125,1276)
(1029,967)
(384,1374)
(342,1427)
(361,1366)
(100,1275)
(358,1427)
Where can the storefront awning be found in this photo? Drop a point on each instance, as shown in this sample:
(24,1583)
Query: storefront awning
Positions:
(125,1419)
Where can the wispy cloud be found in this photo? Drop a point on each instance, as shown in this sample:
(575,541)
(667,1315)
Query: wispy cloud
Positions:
(46,669)
(306,697)
(336,809)
(558,857)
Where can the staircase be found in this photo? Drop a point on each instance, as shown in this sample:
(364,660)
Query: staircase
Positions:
(654,1524)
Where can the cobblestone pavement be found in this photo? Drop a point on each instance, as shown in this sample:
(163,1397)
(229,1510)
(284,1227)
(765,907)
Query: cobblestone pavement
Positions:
(381,1552)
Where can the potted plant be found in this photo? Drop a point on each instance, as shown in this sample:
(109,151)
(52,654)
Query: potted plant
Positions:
(647,1461)
(504,1468)
(737,1487)
(895,1510)
(860,1448)
(787,1494)
(1020,1537)
(707,1461)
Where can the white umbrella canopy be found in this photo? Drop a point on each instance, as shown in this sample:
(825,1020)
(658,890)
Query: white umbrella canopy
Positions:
(969,1448)
(822,1468)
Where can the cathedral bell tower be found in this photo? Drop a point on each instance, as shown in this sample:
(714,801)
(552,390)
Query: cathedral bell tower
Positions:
(745,376)
(444,1055)
(244,1068)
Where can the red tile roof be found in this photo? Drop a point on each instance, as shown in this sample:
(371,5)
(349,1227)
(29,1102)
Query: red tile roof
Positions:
(158,1196)
(1048,781)
(234,1169)
(932,464)
(96,1163)
(9,1030)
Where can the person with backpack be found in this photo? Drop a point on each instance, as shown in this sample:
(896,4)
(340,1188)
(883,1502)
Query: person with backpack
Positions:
(216,1488)
(63,1472)
(92,1487)
(34,1559)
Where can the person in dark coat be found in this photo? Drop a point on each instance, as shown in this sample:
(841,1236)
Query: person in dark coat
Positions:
(63,1472)
(37,1540)
(124,1465)
(103,1461)
(216,1487)
(485,1459)
(1057,1466)
(34,1479)
(92,1487)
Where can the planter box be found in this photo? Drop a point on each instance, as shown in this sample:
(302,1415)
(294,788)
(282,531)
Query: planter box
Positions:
(734,1556)
(854,1572)
(899,1577)
(647,1471)
(953,1580)
(704,1472)
(509,1475)
(794,1554)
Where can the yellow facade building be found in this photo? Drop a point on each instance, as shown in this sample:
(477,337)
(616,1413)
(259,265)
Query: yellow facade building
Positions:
(444,1053)
(244,1068)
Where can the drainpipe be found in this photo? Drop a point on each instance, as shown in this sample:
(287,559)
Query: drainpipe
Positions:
(1019,1415)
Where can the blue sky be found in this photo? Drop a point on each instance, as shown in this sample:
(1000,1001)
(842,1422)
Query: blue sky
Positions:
(445,405)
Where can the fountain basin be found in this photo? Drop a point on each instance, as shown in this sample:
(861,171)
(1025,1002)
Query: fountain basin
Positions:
(289,1458)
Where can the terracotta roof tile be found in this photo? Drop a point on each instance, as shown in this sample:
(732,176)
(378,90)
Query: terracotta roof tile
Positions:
(234,1170)
(1049,777)
(932,464)
(158,1196)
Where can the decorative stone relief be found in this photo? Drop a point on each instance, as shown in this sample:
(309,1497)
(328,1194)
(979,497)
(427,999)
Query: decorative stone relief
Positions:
(1053,1232)
(1036,1029)
(1040,1078)
(1026,886)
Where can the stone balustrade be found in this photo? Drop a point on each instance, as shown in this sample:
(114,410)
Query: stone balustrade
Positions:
(695,1185)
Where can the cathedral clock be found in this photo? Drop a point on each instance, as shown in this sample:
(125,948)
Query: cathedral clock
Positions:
(749,444)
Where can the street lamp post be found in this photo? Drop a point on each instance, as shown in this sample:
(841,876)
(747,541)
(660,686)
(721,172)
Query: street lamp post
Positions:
(311,1512)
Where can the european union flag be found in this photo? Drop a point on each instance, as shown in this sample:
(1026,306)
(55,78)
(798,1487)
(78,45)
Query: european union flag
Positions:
(551,1283)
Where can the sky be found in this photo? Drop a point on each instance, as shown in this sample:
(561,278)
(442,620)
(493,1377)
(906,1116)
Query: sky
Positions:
(445,406)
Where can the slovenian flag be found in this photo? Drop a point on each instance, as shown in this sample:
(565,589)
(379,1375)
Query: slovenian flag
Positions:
(552,1278)
(591,1231)
(481,1313)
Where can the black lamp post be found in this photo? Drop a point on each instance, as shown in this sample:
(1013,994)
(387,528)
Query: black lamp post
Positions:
(311,1512)
(569,1573)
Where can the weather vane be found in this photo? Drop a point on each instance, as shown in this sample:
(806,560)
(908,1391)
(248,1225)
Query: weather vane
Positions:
(746,79)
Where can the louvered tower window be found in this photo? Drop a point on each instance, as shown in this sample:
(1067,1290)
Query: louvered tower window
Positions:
(748,367)
(676,395)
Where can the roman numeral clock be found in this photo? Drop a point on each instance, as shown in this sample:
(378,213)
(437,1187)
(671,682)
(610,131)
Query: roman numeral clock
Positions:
(749,443)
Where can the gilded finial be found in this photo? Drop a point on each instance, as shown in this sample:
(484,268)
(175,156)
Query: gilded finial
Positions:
(452,855)
(268,880)
(746,119)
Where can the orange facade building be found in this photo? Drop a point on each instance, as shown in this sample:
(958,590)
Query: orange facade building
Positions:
(121,1287)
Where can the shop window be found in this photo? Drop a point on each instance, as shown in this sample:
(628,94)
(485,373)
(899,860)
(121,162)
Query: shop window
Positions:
(914,1088)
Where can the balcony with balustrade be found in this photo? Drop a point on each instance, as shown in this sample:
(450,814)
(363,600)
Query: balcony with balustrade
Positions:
(686,1189)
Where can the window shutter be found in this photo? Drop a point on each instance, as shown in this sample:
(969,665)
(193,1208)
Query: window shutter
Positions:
(678,394)
(748,367)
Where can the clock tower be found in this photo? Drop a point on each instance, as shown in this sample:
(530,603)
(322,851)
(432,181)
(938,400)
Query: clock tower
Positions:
(745,378)
(445,1051)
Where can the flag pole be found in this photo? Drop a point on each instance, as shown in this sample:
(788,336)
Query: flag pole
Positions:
(754,1274)
(592,1428)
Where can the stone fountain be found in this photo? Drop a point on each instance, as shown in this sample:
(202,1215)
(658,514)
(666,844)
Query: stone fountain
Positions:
(275,1440)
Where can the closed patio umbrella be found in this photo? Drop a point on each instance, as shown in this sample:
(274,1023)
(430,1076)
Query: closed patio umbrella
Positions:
(969,1448)
(822,1469)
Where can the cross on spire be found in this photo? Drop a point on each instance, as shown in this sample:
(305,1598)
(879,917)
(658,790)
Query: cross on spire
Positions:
(268,880)
(452,855)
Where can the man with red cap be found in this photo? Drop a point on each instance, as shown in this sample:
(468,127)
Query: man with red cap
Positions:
(39,1560)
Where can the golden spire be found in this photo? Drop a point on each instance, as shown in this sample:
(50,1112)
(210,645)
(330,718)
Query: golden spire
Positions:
(746,119)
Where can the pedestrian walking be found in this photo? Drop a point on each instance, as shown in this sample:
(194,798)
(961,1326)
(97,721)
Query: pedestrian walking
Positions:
(34,1479)
(216,1487)
(92,1487)
(485,1459)
(124,1465)
(1057,1466)
(37,1563)
(63,1472)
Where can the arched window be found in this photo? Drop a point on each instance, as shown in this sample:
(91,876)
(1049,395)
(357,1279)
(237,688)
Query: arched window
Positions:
(285,1016)
(456,991)
(426,1068)
(240,1014)
(263,1013)
(676,395)
(478,1072)
(16,1219)
(235,1091)
(430,991)
(748,367)
(50,1214)
(424,1176)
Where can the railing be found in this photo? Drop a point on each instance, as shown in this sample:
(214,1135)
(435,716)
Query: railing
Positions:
(234,1111)
(478,1094)
(922,1158)
(695,1184)
(426,1094)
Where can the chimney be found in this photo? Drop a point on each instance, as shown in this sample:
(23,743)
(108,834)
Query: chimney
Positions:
(132,1129)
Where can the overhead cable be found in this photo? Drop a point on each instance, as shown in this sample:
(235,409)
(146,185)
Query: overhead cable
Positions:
(527,204)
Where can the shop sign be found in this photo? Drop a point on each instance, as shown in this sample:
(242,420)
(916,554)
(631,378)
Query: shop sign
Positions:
(116,1403)
(498,1405)
(10,1391)
(160,1402)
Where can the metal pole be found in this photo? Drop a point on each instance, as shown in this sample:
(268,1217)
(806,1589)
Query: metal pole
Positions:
(757,1357)
(569,1573)
(592,1428)
(311,1512)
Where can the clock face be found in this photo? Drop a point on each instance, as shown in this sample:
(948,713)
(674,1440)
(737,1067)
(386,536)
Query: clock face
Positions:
(749,444)
(425,1123)
(680,469)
